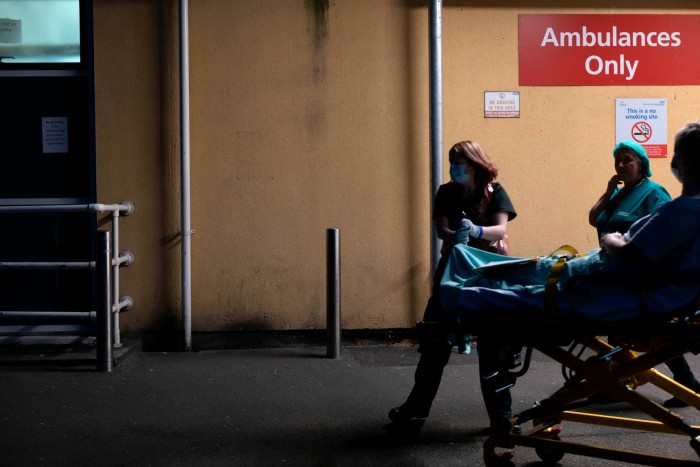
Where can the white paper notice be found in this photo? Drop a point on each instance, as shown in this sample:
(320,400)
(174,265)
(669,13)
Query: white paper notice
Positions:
(10,31)
(55,134)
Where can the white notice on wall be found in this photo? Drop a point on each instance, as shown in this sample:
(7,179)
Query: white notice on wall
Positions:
(643,121)
(55,134)
(501,104)
(10,31)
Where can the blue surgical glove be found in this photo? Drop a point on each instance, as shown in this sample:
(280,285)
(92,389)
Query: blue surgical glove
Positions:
(474,230)
(462,235)
(465,230)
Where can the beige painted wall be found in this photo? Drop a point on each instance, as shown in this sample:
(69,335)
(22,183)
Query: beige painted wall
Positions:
(305,118)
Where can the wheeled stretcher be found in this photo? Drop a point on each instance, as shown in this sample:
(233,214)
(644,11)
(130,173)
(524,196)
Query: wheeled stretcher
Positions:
(603,362)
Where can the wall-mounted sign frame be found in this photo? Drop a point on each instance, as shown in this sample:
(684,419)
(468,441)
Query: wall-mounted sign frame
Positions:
(501,104)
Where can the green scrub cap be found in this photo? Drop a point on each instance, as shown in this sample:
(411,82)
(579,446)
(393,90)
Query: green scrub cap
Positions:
(638,151)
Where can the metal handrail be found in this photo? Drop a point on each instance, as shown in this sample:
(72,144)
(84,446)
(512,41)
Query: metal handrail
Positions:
(47,265)
(126,206)
(114,261)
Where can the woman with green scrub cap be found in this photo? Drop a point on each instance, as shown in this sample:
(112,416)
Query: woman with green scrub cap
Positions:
(619,207)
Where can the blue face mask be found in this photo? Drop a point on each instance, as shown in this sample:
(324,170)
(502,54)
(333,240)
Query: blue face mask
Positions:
(457,173)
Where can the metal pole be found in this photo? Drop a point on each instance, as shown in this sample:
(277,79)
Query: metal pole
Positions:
(114,263)
(104,312)
(185,177)
(435,118)
(333,292)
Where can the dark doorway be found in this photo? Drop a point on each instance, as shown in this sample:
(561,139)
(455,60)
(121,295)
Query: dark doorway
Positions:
(47,156)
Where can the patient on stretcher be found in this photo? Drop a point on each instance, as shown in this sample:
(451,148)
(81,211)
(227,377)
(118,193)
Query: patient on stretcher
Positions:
(668,240)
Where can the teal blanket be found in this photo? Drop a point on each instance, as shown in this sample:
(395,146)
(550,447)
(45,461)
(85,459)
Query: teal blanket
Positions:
(481,283)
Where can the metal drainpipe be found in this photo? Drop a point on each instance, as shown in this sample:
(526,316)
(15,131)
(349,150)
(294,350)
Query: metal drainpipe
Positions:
(186,229)
(435,118)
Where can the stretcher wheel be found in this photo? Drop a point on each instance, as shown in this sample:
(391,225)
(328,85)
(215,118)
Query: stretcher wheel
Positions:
(550,456)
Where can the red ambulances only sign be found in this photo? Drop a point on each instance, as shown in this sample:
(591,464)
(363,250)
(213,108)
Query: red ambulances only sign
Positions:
(608,50)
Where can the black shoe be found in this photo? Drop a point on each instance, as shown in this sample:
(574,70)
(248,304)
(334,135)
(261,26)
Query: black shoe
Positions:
(514,361)
(504,426)
(674,402)
(402,414)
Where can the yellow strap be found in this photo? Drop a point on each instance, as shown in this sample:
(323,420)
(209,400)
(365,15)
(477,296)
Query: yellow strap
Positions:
(550,288)
(566,250)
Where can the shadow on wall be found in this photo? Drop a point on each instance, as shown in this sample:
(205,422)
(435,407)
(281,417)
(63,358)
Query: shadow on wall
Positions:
(256,336)
(168,336)
(165,334)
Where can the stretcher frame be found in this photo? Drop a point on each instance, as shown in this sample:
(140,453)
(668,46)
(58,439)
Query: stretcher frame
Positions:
(607,373)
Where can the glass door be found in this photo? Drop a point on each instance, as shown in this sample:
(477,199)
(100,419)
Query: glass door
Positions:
(47,151)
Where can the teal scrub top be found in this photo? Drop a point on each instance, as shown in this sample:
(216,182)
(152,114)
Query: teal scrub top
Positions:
(623,210)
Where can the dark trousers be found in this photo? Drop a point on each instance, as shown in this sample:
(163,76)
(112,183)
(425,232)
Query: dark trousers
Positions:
(435,351)
(682,373)
(495,380)
(433,358)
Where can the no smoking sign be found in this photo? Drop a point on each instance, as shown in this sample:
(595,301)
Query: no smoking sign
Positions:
(643,121)
(641,132)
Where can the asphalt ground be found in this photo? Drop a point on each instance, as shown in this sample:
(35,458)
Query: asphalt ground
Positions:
(271,407)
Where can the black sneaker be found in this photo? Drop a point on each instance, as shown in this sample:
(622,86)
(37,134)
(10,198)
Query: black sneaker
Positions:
(402,414)
(674,402)
(504,426)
